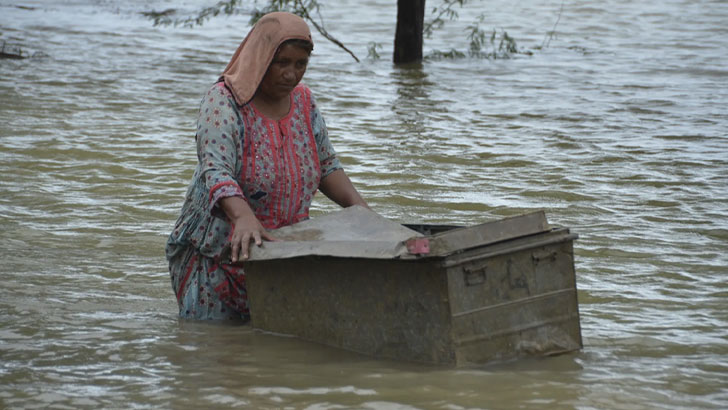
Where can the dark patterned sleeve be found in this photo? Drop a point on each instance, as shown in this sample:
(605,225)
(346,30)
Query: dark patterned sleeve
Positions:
(328,160)
(218,137)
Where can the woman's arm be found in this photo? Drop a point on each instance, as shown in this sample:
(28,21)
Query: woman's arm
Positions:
(217,139)
(338,187)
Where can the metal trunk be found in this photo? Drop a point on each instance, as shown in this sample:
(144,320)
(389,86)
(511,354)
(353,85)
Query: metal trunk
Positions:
(424,293)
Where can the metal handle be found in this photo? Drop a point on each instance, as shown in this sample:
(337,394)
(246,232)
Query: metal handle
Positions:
(537,256)
(474,275)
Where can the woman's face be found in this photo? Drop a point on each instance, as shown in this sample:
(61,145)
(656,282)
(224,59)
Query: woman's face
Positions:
(285,72)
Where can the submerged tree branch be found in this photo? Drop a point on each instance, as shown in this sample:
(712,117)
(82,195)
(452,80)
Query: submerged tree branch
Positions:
(551,33)
(444,10)
(229,7)
(164,18)
(320,28)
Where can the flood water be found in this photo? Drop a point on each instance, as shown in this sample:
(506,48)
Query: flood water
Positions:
(618,129)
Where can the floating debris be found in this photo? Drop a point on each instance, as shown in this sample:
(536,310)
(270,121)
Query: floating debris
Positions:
(12,52)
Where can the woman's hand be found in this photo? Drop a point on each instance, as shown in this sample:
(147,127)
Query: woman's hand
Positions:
(246,227)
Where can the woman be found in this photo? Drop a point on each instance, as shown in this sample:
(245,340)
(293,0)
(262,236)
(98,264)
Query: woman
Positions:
(263,151)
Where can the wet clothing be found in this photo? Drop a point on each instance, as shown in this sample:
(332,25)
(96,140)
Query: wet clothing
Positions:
(275,166)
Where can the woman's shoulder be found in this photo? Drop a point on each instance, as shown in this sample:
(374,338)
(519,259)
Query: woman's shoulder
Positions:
(219,91)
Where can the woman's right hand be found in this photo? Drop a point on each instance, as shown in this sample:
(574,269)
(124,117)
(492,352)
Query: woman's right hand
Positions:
(246,227)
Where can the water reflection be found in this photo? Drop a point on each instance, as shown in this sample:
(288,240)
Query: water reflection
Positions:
(413,104)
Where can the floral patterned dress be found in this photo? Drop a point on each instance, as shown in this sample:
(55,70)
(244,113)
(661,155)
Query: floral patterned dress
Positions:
(275,166)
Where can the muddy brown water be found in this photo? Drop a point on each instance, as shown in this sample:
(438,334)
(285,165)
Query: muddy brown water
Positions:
(618,130)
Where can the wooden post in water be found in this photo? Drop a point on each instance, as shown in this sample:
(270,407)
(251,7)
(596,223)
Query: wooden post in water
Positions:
(408,37)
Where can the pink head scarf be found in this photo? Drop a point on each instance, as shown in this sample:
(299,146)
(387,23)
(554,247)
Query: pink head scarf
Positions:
(248,65)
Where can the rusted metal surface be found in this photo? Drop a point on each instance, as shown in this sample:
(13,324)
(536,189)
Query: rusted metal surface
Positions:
(459,296)
(362,306)
(515,299)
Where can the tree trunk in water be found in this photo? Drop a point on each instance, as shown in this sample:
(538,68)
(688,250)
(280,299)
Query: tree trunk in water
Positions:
(408,38)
